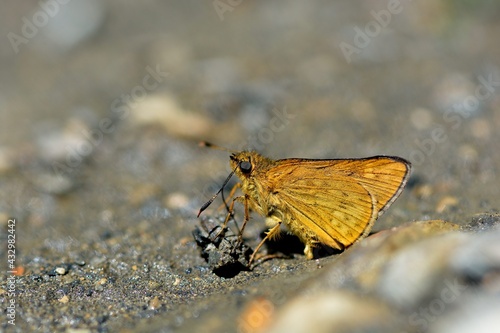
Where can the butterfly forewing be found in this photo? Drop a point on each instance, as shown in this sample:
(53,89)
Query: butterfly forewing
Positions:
(336,202)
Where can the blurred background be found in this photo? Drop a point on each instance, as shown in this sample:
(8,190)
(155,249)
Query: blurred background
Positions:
(102,105)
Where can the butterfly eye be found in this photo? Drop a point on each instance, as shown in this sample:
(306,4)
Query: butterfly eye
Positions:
(245,166)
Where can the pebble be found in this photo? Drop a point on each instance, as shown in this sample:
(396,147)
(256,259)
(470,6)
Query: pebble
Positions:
(479,257)
(102,281)
(410,276)
(52,183)
(60,270)
(73,23)
(423,191)
(78,330)
(333,311)
(176,200)
(166,112)
(446,203)
(64,299)
(68,143)
(154,303)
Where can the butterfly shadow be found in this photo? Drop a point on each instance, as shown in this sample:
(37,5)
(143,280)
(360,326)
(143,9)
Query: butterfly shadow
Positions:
(288,245)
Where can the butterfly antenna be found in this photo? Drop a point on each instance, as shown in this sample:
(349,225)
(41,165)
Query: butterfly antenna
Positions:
(213,146)
(209,202)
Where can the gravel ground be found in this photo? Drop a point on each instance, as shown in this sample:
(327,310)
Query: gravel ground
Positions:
(104,103)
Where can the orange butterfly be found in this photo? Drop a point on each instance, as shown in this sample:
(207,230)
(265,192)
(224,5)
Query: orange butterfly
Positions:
(333,201)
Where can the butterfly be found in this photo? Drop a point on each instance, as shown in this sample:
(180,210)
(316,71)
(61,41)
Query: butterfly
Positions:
(334,202)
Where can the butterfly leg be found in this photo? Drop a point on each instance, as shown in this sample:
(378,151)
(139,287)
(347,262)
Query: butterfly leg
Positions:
(271,233)
(308,251)
(245,218)
(228,216)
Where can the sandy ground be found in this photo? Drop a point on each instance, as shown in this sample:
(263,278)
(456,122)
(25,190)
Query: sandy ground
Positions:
(103,104)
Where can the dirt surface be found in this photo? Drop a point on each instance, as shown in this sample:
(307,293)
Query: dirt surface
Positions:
(103,104)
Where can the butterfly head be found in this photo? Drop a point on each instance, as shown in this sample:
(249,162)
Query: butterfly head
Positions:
(251,168)
(249,164)
(244,163)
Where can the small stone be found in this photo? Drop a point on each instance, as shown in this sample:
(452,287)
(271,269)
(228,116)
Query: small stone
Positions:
(423,191)
(166,112)
(60,270)
(102,281)
(328,311)
(154,303)
(446,203)
(78,330)
(64,299)
(184,241)
(69,25)
(480,257)
(59,144)
(416,271)
(53,183)
(176,200)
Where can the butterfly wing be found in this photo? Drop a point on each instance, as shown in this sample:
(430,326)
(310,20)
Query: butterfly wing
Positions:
(336,202)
